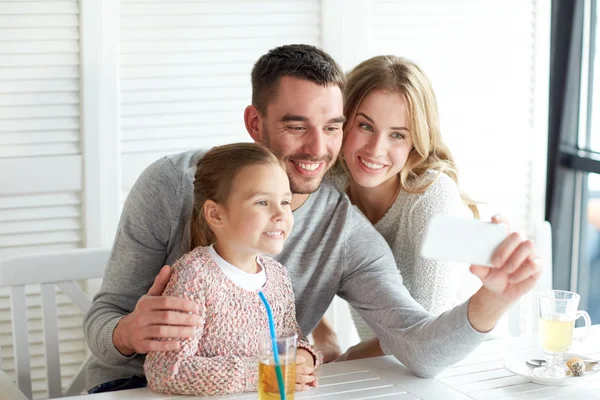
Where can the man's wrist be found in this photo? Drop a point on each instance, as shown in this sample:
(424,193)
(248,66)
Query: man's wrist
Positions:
(121,337)
(323,332)
(485,309)
(367,349)
(371,348)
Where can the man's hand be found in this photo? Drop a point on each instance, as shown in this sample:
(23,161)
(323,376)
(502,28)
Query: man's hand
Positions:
(516,270)
(154,317)
(367,349)
(305,370)
(326,341)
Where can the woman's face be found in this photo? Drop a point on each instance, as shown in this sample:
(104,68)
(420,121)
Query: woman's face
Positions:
(378,138)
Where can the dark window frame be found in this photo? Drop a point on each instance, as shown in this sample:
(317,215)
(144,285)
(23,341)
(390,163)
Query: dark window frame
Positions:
(572,58)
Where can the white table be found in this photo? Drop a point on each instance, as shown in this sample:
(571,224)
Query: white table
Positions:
(480,376)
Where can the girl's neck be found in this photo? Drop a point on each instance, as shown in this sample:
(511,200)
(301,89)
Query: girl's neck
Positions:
(376,201)
(246,261)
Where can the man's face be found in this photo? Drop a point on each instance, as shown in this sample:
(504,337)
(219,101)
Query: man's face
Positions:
(303,127)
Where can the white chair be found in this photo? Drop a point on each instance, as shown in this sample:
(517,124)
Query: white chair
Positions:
(523,316)
(543,240)
(47,270)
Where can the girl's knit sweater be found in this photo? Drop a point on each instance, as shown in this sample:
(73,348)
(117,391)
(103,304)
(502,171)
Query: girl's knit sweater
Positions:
(222,357)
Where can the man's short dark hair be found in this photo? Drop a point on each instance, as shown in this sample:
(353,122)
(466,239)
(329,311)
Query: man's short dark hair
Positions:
(298,60)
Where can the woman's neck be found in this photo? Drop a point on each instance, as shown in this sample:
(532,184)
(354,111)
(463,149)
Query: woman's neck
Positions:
(246,261)
(376,201)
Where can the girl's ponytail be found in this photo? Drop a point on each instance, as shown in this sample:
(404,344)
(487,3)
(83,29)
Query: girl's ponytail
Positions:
(200,233)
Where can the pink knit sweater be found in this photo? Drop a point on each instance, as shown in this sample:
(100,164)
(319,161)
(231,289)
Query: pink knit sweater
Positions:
(222,357)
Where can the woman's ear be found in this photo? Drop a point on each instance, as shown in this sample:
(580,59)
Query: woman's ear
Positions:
(213,214)
(252,119)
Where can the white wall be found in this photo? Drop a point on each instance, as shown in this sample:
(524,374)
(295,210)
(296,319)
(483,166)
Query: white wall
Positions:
(489,63)
(92,92)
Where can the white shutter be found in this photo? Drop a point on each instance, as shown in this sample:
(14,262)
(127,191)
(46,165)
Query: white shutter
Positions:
(488,60)
(185,70)
(40,161)
(480,56)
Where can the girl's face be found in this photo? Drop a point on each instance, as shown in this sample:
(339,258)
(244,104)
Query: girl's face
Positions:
(257,216)
(378,139)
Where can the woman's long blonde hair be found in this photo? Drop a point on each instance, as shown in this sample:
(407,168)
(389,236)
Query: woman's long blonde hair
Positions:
(397,74)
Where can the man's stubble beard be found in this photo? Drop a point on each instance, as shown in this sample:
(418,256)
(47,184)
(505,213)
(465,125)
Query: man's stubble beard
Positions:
(295,187)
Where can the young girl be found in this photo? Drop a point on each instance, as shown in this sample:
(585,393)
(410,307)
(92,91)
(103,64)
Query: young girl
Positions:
(241,210)
(398,171)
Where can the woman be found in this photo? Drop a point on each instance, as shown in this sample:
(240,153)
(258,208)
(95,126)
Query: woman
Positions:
(397,170)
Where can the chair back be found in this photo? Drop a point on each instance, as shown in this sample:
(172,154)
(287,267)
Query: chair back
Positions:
(523,316)
(543,240)
(48,270)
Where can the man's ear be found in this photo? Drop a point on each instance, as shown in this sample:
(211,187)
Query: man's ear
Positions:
(213,214)
(252,119)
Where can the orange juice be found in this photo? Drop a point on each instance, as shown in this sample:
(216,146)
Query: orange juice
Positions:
(268,389)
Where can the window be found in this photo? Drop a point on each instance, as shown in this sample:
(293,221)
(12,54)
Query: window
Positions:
(588,277)
(573,186)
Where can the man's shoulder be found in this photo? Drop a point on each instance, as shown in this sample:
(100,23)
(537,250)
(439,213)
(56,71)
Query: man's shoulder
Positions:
(180,163)
(327,203)
(329,193)
(170,172)
(342,209)
(166,175)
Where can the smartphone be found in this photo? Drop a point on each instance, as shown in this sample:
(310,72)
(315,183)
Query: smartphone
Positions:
(465,240)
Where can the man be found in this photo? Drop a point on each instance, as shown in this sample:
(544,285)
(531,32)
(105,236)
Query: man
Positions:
(296,112)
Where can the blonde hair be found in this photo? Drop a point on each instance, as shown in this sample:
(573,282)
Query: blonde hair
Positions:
(215,173)
(397,74)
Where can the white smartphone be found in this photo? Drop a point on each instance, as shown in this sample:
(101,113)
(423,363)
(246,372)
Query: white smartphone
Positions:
(462,240)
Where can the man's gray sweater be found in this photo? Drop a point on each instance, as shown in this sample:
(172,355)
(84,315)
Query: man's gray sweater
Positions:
(333,249)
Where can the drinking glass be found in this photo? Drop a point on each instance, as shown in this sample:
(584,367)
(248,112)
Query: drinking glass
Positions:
(268,388)
(557,315)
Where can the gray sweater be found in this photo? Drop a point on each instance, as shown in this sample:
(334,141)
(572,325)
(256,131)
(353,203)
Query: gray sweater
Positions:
(436,285)
(332,250)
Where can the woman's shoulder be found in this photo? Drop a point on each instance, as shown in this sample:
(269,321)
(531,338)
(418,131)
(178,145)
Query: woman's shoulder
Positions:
(440,187)
(442,195)
(440,181)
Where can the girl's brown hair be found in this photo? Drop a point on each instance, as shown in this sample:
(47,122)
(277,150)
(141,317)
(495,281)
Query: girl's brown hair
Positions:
(215,173)
(397,74)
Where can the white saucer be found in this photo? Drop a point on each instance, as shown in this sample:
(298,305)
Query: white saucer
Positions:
(518,366)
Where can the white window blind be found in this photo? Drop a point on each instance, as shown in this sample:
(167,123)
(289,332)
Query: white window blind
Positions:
(488,61)
(40,161)
(480,56)
(185,70)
